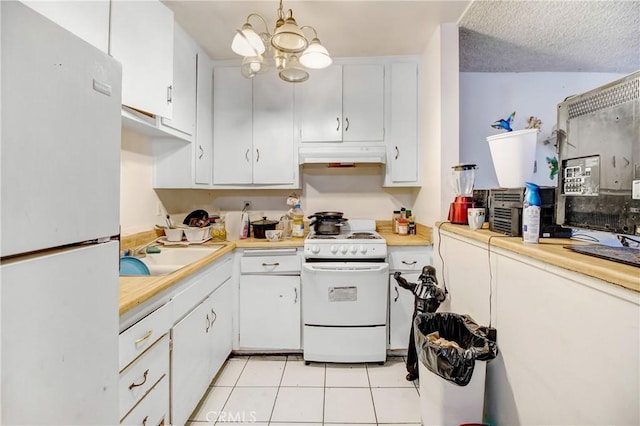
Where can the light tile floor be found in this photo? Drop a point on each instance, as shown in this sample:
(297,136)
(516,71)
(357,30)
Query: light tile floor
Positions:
(283,391)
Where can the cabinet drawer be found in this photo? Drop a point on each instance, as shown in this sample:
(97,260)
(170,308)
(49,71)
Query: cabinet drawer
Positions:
(153,410)
(409,259)
(289,264)
(140,336)
(139,377)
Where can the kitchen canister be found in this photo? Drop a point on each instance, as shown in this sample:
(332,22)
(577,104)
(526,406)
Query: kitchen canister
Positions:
(514,155)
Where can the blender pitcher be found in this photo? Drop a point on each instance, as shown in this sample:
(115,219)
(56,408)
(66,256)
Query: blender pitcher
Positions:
(463,176)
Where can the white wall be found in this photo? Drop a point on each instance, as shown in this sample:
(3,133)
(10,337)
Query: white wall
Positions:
(139,203)
(487,97)
(439,121)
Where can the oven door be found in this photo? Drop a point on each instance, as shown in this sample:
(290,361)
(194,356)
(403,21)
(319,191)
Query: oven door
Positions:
(345,293)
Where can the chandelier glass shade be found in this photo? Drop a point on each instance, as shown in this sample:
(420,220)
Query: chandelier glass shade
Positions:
(288,48)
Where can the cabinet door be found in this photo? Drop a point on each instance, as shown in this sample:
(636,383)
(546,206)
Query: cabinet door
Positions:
(402,137)
(363,102)
(88,20)
(319,106)
(204,121)
(232,127)
(190,361)
(183,93)
(273,145)
(400,312)
(141,38)
(221,327)
(269,312)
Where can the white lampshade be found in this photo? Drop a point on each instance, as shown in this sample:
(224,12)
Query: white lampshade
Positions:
(252,65)
(289,37)
(247,42)
(316,56)
(294,73)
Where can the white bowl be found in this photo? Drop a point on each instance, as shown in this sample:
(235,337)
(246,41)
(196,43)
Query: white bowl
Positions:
(173,234)
(273,234)
(195,234)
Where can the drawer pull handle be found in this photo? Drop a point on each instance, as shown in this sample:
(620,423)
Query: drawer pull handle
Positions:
(397,294)
(143,338)
(296,299)
(410,263)
(397,152)
(144,421)
(144,380)
(271,264)
(214,317)
(346,129)
(208,324)
(338,128)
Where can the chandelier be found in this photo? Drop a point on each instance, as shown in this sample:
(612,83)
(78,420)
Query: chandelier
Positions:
(291,51)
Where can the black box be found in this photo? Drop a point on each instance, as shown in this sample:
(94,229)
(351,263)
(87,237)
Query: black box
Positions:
(505,211)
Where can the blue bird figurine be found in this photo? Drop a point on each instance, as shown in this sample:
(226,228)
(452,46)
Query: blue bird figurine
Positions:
(504,124)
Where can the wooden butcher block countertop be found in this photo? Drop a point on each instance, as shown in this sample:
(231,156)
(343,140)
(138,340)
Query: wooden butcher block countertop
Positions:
(135,290)
(552,251)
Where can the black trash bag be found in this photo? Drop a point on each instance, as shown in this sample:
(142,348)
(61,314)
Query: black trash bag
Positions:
(454,363)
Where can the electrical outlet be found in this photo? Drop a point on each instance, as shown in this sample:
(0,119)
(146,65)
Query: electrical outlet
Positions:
(246,205)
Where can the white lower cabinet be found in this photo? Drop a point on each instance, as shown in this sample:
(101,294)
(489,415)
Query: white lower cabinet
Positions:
(409,261)
(270,307)
(201,343)
(270,312)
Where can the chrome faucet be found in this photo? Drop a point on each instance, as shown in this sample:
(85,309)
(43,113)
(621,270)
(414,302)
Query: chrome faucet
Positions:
(141,251)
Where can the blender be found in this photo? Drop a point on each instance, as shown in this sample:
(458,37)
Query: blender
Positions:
(463,176)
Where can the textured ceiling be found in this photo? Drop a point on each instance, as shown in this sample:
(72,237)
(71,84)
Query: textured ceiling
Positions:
(517,36)
(495,35)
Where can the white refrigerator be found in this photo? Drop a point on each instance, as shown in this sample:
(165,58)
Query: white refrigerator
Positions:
(60,158)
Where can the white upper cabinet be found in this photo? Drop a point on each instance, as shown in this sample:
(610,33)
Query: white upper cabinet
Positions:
(402,136)
(253,132)
(184,84)
(273,131)
(88,20)
(141,38)
(363,102)
(232,127)
(203,154)
(342,103)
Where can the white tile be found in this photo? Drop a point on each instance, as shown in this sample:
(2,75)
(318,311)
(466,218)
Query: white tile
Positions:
(211,404)
(296,373)
(348,405)
(396,405)
(346,376)
(230,372)
(390,375)
(248,405)
(299,405)
(262,372)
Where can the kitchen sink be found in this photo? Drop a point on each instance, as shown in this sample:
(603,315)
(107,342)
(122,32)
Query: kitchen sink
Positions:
(171,259)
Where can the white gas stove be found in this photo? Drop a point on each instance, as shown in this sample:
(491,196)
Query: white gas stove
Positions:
(358,240)
(345,281)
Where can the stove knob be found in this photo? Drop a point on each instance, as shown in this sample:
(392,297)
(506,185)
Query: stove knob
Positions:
(333,249)
(343,249)
(363,249)
(353,249)
(315,249)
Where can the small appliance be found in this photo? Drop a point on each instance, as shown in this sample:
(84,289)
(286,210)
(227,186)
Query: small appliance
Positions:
(463,176)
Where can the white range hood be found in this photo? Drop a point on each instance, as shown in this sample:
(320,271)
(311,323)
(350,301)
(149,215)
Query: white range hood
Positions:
(342,154)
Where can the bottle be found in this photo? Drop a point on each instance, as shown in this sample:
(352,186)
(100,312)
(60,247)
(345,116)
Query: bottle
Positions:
(297,229)
(394,221)
(244,226)
(531,214)
(403,227)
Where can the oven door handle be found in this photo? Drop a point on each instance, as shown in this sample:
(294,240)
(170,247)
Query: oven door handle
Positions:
(379,267)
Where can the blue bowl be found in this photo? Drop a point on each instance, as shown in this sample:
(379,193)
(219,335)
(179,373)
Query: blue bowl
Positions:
(133,266)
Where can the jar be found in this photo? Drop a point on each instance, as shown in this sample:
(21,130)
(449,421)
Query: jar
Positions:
(403,227)
(218,231)
(394,221)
